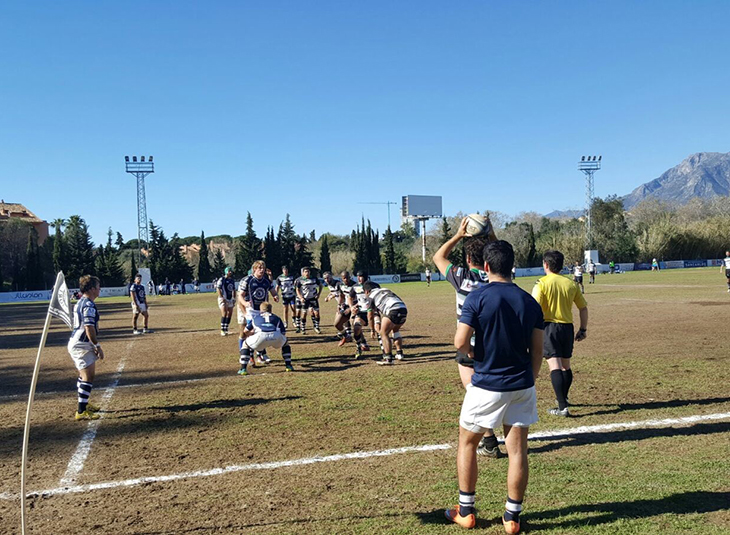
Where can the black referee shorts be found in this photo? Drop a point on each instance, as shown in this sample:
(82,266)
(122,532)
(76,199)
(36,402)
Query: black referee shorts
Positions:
(558,340)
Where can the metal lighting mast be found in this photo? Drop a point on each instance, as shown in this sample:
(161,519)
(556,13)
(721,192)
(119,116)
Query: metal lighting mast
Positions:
(140,169)
(589,165)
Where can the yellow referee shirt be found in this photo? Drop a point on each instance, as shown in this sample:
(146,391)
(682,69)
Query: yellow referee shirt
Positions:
(556,295)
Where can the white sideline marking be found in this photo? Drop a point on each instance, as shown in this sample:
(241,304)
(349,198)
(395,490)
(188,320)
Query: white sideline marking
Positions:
(105,388)
(358,455)
(76,464)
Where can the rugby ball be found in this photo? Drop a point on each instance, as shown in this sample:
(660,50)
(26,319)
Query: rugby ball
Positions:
(477,225)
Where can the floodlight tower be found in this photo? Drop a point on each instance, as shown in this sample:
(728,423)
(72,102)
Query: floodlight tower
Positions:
(140,169)
(589,165)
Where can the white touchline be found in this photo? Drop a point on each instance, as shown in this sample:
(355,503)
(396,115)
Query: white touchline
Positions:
(358,455)
(76,464)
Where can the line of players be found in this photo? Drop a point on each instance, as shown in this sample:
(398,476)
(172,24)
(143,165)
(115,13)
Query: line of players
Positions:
(359,304)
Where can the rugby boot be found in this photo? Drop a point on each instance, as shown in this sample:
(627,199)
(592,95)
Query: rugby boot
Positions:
(454,515)
(86,415)
(511,527)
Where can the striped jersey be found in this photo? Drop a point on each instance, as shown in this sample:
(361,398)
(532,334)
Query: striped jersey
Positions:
(286,283)
(334,287)
(385,301)
(254,290)
(85,314)
(138,291)
(228,286)
(265,322)
(726,261)
(309,288)
(578,271)
(357,294)
(464,281)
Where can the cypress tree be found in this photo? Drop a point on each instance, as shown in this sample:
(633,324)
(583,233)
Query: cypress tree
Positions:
(33,272)
(80,248)
(390,265)
(204,269)
(133,270)
(219,264)
(325,262)
(59,249)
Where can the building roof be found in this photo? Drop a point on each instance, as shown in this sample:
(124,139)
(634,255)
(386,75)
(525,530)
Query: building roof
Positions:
(12,209)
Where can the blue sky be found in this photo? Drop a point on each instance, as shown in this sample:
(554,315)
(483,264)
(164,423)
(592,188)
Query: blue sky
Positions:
(309,107)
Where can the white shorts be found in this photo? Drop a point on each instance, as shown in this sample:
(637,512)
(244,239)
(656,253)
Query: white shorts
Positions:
(243,319)
(82,353)
(486,409)
(139,309)
(261,341)
(229,303)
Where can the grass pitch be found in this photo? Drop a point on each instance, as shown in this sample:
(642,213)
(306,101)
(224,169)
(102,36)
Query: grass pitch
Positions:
(657,348)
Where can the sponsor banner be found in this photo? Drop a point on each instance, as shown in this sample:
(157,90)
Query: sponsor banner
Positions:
(25,297)
(529,272)
(695,263)
(642,266)
(628,266)
(672,264)
(715,262)
(385,279)
(411,277)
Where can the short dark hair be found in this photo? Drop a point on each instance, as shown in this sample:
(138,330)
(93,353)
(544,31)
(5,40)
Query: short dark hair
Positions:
(474,249)
(554,260)
(88,282)
(500,257)
(284,267)
(368,286)
(345,276)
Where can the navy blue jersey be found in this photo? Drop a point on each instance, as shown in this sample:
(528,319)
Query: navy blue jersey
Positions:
(286,283)
(503,317)
(228,285)
(138,290)
(309,288)
(255,291)
(85,314)
(266,322)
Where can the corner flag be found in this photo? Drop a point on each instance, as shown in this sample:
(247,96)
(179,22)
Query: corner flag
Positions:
(61,301)
(60,307)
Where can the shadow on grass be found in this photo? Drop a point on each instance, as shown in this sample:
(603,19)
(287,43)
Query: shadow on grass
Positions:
(672,403)
(217,404)
(566,441)
(684,503)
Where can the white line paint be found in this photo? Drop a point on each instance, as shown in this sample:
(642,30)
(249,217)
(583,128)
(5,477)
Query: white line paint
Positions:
(76,464)
(687,420)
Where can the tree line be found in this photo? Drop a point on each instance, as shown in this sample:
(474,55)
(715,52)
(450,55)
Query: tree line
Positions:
(652,229)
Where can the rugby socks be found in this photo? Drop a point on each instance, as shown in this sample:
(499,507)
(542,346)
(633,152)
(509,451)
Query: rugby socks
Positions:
(340,335)
(466,503)
(240,344)
(286,353)
(512,510)
(567,381)
(84,390)
(490,442)
(361,340)
(223,324)
(348,332)
(556,378)
(245,357)
(315,322)
(303,323)
(380,341)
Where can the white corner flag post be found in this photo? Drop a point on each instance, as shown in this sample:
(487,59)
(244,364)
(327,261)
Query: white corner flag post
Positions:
(60,306)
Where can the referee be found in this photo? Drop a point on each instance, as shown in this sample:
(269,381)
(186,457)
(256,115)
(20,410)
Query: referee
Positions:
(556,295)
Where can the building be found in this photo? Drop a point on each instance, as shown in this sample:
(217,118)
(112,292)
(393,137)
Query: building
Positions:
(11,210)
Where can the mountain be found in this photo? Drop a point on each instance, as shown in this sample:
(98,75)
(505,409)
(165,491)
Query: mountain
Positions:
(704,174)
(565,214)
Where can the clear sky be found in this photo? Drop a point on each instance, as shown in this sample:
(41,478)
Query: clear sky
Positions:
(309,107)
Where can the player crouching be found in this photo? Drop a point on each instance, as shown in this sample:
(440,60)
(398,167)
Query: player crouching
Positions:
(265,330)
(393,314)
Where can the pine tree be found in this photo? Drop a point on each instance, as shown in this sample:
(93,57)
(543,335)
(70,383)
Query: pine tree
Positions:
(115,272)
(219,264)
(102,270)
(389,264)
(302,256)
(80,248)
(120,241)
(325,262)
(204,269)
(248,248)
(286,239)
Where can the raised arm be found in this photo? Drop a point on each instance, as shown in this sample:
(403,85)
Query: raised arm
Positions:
(441,257)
